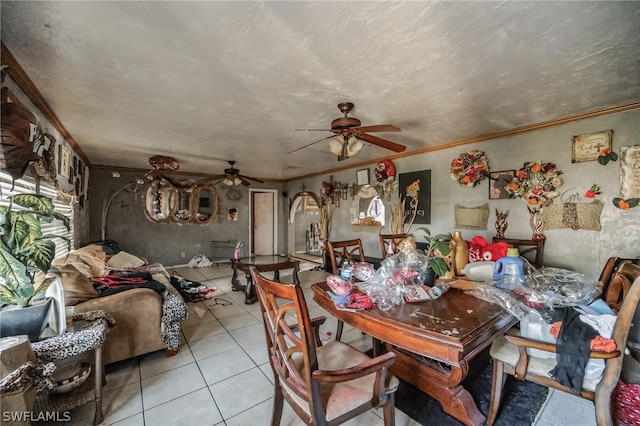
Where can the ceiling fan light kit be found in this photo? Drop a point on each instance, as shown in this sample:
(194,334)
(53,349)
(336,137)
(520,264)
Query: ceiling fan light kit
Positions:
(351,134)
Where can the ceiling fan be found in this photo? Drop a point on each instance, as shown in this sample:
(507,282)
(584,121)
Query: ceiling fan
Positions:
(350,134)
(233,177)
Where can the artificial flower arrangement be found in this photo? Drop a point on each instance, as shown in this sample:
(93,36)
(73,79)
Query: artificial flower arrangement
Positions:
(470,168)
(536,183)
(606,155)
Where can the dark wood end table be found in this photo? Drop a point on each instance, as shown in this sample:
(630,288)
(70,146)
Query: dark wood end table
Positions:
(244,263)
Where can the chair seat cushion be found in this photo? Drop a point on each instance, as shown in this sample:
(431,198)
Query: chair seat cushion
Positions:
(508,353)
(340,398)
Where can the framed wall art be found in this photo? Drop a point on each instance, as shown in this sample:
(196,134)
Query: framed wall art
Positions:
(587,147)
(362,177)
(232,214)
(64,162)
(498,182)
(630,171)
(415,189)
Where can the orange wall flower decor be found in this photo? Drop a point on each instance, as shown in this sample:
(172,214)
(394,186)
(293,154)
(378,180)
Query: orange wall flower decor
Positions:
(536,183)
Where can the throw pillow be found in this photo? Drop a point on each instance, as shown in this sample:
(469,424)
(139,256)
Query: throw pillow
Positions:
(77,287)
(90,260)
(124,260)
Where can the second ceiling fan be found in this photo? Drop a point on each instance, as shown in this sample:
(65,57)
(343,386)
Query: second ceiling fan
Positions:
(233,177)
(349,134)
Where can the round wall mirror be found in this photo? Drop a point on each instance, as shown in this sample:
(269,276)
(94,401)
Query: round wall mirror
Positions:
(207,203)
(160,200)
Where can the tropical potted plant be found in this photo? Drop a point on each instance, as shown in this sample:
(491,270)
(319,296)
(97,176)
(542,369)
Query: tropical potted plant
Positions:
(24,251)
(437,248)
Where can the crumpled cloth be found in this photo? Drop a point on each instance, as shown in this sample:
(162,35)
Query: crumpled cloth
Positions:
(602,323)
(598,343)
(27,375)
(572,349)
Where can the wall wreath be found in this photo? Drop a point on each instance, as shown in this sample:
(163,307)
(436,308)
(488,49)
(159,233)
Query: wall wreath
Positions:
(470,168)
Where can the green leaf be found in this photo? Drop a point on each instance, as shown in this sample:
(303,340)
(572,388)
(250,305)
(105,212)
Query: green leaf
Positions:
(613,156)
(39,255)
(442,247)
(603,159)
(426,231)
(438,265)
(40,204)
(65,220)
(45,285)
(633,202)
(616,202)
(16,281)
(27,228)
(6,296)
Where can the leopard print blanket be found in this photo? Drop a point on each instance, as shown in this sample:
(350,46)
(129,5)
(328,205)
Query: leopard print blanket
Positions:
(174,310)
(73,343)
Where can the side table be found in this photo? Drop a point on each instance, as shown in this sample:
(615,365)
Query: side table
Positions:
(87,332)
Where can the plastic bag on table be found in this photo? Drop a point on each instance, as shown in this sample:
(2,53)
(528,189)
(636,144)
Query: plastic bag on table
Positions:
(545,289)
(386,286)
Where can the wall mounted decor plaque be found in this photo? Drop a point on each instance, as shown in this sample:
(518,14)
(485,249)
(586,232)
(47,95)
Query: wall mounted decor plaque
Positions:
(630,171)
(587,147)
(415,189)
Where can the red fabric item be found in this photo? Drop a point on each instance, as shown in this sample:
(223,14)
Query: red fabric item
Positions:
(603,344)
(360,301)
(626,404)
(598,343)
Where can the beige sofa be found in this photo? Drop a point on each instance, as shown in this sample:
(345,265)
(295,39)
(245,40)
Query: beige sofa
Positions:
(142,325)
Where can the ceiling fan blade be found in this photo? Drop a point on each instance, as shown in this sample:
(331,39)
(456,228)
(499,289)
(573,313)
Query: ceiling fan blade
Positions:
(245,182)
(211,178)
(312,143)
(378,128)
(384,143)
(250,178)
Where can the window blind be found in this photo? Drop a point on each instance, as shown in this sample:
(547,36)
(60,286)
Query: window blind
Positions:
(28,185)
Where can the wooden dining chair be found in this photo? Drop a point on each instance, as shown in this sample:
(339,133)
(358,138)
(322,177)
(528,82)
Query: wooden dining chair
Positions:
(324,384)
(616,286)
(340,253)
(390,240)
(509,354)
(532,250)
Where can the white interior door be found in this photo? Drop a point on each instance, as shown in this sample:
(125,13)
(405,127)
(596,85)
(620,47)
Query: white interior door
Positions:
(263,223)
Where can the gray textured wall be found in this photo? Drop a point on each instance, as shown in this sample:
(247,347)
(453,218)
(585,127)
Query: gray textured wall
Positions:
(581,250)
(162,242)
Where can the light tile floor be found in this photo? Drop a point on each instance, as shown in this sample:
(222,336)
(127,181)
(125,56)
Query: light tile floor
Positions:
(221,374)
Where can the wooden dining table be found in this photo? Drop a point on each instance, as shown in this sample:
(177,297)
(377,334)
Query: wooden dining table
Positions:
(434,341)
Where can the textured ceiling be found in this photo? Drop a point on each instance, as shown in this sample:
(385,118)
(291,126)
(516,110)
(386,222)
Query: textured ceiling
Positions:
(212,81)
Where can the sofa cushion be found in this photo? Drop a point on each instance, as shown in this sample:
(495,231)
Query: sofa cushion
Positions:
(89,260)
(123,260)
(77,287)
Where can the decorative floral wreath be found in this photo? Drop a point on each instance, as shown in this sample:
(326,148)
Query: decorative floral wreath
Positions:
(536,183)
(470,168)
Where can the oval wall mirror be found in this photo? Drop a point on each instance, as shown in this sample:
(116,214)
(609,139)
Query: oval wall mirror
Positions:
(183,212)
(160,200)
(206,202)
